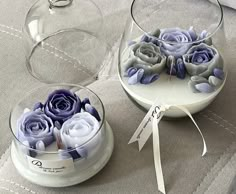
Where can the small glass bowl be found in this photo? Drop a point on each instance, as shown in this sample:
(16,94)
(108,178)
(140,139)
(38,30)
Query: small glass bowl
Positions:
(53,167)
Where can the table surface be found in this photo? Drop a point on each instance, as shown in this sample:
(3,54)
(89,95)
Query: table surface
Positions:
(128,170)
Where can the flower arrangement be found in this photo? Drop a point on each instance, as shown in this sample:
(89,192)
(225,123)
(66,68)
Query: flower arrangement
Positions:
(63,119)
(181,53)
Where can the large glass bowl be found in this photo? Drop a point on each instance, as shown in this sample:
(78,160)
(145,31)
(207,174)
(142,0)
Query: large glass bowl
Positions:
(173,52)
(63,41)
(57,165)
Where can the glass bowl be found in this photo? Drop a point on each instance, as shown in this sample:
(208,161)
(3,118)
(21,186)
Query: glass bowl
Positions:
(63,41)
(60,149)
(173,52)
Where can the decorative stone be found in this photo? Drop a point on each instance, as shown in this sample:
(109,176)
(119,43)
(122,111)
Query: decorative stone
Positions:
(204,88)
(215,81)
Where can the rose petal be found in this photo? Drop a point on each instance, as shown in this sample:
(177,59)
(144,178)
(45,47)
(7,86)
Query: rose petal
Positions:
(219,73)
(145,38)
(26,110)
(38,105)
(181,71)
(136,77)
(214,81)
(40,145)
(85,101)
(204,88)
(131,71)
(149,79)
(192,33)
(90,109)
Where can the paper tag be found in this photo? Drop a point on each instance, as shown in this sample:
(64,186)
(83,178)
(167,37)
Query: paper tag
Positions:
(144,130)
(52,167)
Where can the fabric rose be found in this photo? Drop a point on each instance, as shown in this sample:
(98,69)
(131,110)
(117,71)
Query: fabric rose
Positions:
(62,105)
(202,59)
(35,129)
(146,62)
(78,129)
(176,41)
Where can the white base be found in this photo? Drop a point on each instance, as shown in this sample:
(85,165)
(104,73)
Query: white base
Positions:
(76,177)
(169,93)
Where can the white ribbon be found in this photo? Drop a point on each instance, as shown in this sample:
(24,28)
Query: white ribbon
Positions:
(148,126)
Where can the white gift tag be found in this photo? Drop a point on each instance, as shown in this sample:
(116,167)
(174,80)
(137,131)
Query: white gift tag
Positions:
(149,126)
(52,167)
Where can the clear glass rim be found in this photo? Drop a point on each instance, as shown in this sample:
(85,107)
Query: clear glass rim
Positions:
(102,123)
(48,35)
(28,57)
(182,43)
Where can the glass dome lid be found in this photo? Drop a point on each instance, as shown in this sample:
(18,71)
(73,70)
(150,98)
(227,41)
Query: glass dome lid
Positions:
(62,40)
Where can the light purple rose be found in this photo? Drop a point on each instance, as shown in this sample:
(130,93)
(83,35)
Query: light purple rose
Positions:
(35,129)
(62,105)
(202,59)
(176,41)
(78,130)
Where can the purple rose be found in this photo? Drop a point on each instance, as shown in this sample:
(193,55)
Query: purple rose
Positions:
(176,41)
(202,59)
(35,129)
(62,105)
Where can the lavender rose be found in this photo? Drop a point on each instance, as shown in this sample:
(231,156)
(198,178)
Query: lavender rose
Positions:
(145,61)
(35,129)
(62,105)
(202,59)
(79,129)
(176,41)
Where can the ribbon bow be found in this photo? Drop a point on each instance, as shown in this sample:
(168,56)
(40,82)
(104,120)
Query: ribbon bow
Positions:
(148,126)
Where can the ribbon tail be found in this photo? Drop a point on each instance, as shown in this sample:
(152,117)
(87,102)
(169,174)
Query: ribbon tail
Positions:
(157,154)
(199,130)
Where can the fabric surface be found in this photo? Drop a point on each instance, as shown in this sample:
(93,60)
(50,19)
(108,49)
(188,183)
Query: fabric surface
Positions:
(128,170)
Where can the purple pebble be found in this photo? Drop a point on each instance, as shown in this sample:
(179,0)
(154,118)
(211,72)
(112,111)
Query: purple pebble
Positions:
(90,109)
(219,73)
(149,79)
(131,71)
(38,105)
(204,88)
